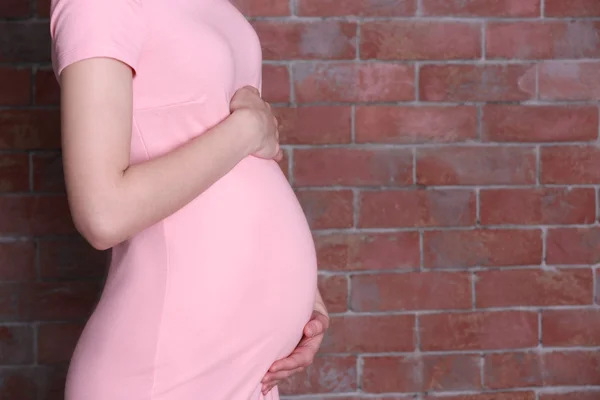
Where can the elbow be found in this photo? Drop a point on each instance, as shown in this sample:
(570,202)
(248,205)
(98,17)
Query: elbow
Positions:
(99,242)
(98,231)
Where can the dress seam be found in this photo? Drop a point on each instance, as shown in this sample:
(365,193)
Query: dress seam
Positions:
(162,312)
(139,134)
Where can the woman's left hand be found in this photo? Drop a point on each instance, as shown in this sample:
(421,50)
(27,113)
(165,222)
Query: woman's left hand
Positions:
(303,354)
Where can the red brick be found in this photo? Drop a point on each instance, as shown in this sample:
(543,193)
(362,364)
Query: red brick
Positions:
(368,251)
(360,8)
(32,383)
(537,206)
(315,125)
(367,397)
(14,172)
(13,302)
(569,80)
(564,328)
(473,83)
(370,334)
(534,288)
(328,209)
(353,167)
(276,84)
(413,374)
(17,261)
(420,40)
(48,172)
(479,330)
(476,166)
(16,85)
(423,124)
(482,8)
(326,375)
(51,381)
(56,341)
(29,41)
(530,369)
(416,208)
(35,215)
(18,383)
(263,8)
(570,164)
(29,129)
(46,301)
(284,164)
(334,289)
(411,291)
(553,39)
(70,258)
(47,91)
(574,8)
(324,40)
(391,374)
(509,123)
(486,248)
(451,372)
(488,396)
(572,368)
(15,8)
(65,300)
(512,370)
(573,395)
(43,8)
(16,344)
(573,246)
(353,82)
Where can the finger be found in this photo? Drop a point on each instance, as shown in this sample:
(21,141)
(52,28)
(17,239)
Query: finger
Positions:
(267,388)
(299,358)
(279,155)
(236,104)
(274,377)
(317,325)
(313,328)
(276,122)
(252,89)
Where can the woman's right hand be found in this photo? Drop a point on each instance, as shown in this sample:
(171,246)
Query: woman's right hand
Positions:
(259,121)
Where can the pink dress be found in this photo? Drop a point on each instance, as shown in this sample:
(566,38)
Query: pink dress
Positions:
(198,306)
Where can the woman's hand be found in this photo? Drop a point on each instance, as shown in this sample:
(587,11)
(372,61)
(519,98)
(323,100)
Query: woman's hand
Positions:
(261,123)
(303,355)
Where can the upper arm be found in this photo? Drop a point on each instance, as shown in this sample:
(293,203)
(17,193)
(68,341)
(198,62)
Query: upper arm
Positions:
(96,45)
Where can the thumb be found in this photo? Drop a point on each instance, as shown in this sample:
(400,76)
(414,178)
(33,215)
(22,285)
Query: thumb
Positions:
(313,328)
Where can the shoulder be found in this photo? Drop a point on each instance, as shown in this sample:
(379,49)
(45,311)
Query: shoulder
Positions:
(82,29)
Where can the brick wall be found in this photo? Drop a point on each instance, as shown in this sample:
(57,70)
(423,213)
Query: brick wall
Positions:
(445,153)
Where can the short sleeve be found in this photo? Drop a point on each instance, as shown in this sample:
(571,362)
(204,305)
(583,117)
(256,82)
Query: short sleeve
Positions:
(83,29)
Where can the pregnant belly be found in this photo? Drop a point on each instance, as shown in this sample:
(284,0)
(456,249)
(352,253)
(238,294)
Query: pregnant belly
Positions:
(205,301)
(242,267)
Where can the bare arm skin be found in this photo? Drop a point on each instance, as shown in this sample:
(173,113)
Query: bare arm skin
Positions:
(320,304)
(110,200)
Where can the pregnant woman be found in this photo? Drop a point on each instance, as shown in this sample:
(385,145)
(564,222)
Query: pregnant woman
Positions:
(170,160)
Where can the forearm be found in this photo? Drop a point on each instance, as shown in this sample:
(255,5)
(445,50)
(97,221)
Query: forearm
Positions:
(148,192)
